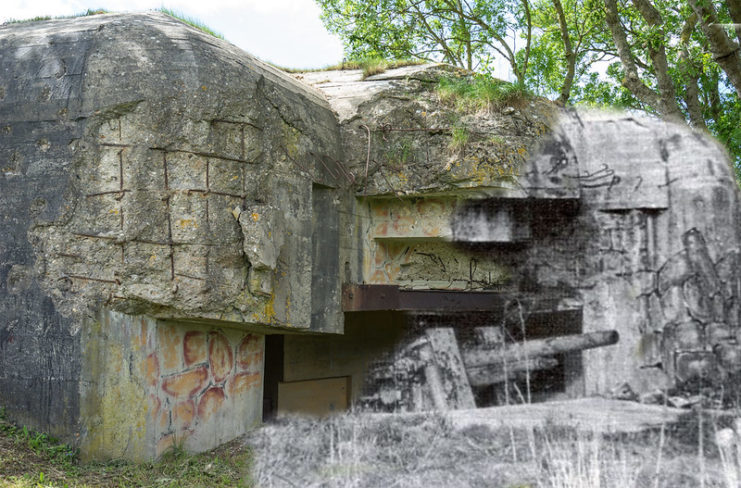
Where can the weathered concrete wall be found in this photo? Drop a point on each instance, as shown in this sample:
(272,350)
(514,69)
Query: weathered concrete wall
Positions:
(151,170)
(192,189)
(148,385)
(662,267)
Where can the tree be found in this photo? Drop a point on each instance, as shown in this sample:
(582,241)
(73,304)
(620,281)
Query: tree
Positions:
(677,61)
(568,42)
(464,33)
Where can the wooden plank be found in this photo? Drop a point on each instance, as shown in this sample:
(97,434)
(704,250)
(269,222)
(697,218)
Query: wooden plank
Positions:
(314,397)
(448,359)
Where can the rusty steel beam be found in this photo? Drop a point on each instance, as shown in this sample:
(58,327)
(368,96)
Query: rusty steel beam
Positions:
(366,298)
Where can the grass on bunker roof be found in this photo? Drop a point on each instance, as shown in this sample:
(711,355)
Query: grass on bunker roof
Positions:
(191,21)
(87,13)
(33,460)
(369,66)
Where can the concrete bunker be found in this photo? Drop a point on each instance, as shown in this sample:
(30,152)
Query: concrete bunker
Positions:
(191,240)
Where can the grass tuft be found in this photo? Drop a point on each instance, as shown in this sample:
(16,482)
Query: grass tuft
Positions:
(87,13)
(458,138)
(190,21)
(373,66)
(480,93)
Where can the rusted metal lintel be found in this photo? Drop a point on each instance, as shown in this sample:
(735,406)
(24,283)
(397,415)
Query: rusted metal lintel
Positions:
(366,298)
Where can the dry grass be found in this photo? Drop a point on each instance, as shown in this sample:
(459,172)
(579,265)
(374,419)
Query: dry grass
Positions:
(372,450)
(388,451)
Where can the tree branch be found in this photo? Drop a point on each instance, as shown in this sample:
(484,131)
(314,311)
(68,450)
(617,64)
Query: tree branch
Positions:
(690,73)
(568,52)
(631,80)
(734,8)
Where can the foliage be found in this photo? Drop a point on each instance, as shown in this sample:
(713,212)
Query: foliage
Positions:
(373,65)
(465,34)
(569,41)
(665,64)
(669,58)
(190,21)
(360,64)
(32,460)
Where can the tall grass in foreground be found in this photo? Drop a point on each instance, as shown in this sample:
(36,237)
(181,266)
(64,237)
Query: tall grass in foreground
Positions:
(383,450)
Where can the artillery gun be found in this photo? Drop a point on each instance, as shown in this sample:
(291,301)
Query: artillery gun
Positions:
(434,371)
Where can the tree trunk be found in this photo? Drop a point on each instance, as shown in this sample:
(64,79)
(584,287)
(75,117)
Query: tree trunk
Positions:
(725,52)
(526,5)
(657,53)
(568,52)
(691,73)
(632,81)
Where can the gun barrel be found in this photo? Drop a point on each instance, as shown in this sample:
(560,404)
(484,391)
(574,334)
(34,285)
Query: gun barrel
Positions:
(551,346)
(499,373)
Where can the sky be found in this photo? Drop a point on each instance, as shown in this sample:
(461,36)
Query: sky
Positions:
(288,33)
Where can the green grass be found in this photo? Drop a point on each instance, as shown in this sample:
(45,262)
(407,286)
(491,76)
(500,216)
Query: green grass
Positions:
(458,138)
(480,92)
(32,460)
(87,13)
(190,21)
